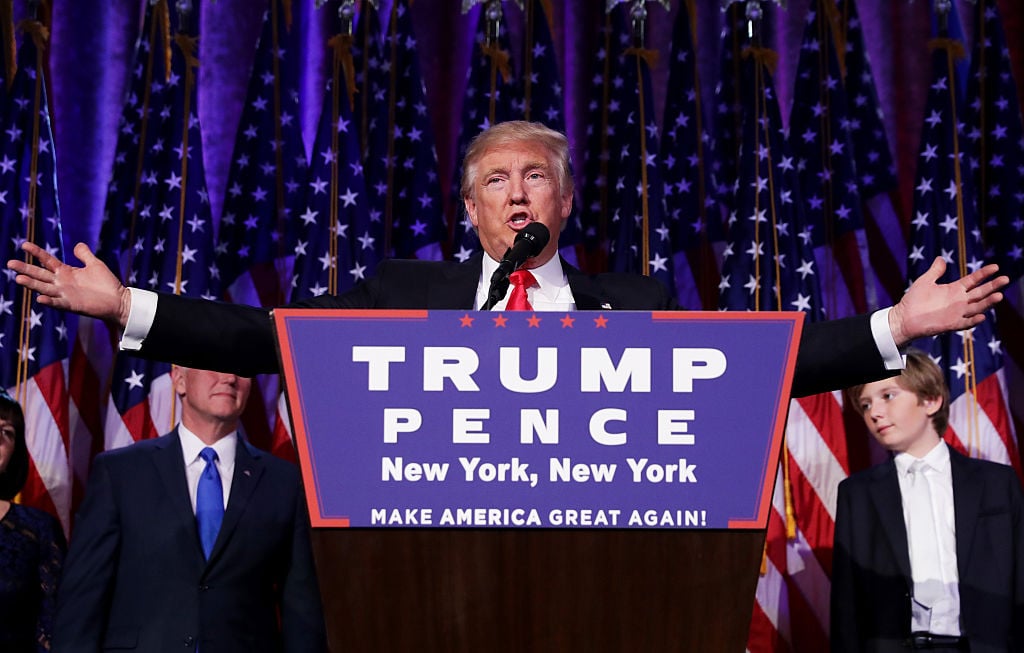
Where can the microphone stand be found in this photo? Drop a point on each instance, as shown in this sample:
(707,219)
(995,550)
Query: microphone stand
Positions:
(498,288)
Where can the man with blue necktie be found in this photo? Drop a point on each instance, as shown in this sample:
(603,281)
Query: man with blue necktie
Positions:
(193,541)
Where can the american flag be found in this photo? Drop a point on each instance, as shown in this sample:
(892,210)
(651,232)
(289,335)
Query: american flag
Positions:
(400,156)
(885,267)
(340,241)
(541,99)
(595,193)
(639,233)
(822,144)
(946,224)
(34,338)
(490,98)
(769,264)
(92,357)
(171,246)
(996,141)
(686,169)
(729,101)
(254,252)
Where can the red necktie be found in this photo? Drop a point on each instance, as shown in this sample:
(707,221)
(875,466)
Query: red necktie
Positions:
(521,280)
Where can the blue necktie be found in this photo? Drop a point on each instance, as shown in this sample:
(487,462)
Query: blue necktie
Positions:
(209,501)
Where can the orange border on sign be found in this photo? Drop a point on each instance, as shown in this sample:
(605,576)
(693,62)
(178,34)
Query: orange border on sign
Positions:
(782,401)
(295,406)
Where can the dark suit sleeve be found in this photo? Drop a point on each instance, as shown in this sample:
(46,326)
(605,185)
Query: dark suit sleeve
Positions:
(837,354)
(844,633)
(302,619)
(84,594)
(236,338)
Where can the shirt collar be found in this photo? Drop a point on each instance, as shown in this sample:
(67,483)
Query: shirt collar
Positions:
(937,459)
(550,276)
(191,445)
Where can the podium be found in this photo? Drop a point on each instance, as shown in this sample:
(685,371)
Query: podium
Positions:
(685,410)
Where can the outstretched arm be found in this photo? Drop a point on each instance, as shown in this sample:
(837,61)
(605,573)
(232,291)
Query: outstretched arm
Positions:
(92,290)
(929,308)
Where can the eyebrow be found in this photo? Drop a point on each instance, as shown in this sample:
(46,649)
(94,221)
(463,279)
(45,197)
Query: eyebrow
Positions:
(541,165)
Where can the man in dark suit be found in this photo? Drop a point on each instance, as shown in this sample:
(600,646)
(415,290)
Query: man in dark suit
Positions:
(515,173)
(929,546)
(192,541)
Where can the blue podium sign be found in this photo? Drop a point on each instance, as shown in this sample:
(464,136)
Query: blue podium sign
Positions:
(453,419)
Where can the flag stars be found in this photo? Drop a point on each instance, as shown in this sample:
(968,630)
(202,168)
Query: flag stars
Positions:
(348,197)
(318,186)
(952,190)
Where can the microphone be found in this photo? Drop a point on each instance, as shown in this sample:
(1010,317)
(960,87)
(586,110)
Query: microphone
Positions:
(528,243)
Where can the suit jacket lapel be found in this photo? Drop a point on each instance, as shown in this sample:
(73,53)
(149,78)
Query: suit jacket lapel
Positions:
(169,461)
(586,293)
(967,493)
(248,470)
(888,502)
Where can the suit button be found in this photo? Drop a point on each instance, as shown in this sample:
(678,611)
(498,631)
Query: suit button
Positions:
(189,640)
(203,588)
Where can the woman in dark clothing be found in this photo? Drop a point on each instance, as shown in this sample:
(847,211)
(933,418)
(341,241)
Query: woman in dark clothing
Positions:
(32,546)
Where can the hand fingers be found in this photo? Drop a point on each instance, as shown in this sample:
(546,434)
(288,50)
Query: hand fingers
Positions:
(34,284)
(935,271)
(39,253)
(28,271)
(987,289)
(84,254)
(978,276)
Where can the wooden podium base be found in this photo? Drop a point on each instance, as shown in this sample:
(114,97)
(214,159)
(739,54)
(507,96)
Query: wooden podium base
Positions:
(537,590)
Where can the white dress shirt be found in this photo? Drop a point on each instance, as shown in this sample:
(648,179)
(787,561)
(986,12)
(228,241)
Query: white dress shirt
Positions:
(191,445)
(550,293)
(927,561)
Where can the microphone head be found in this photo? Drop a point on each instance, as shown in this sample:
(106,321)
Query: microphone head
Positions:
(537,235)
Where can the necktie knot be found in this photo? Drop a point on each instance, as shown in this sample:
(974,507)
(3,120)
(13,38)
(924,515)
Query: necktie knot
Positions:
(520,280)
(209,454)
(917,470)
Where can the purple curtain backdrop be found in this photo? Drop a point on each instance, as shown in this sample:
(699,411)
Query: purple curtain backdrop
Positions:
(93,41)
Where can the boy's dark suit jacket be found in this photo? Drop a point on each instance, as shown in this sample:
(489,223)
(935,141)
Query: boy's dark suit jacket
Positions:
(135,577)
(871,582)
(232,337)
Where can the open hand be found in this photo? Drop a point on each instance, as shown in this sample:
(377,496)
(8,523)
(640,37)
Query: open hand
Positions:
(92,290)
(929,308)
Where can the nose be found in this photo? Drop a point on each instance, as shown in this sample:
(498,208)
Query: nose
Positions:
(517,192)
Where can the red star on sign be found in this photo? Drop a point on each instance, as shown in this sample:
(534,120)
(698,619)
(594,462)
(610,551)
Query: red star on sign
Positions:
(601,322)
(567,321)
(500,321)
(466,320)
(534,321)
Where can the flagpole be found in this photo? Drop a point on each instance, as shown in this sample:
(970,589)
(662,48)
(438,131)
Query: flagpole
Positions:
(341,48)
(392,89)
(279,261)
(187,45)
(955,50)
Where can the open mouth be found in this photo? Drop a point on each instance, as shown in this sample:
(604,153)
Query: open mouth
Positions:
(518,221)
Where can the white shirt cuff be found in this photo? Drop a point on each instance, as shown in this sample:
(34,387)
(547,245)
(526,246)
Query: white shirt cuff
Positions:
(891,355)
(140,319)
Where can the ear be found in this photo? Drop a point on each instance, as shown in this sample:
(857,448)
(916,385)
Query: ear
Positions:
(566,207)
(932,405)
(178,379)
(471,211)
